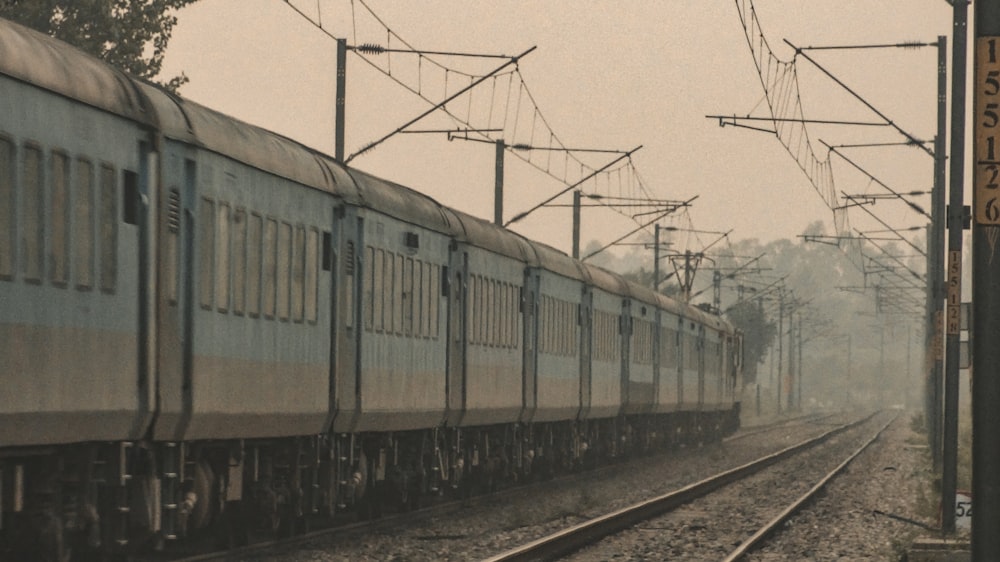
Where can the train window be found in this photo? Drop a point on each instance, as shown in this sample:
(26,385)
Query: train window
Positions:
(206,251)
(480,310)
(498,313)
(270,266)
(388,263)
(298,273)
(222,257)
(435,298)
(368,288)
(378,290)
(690,352)
(254,246)
(397,294)
(470,303)
(515,310)
(284,269)
(312,275)
(546,324)
(427,297)
(488,311)
(502,310)
(668,347)
(59,209)
(407,297)
(418,299)
(7,209)
(108,225)
(107,221)
(644,342)
(83,225)
(239,260)
(32,214)
(484,310)
(170,252)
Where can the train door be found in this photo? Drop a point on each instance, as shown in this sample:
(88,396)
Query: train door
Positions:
(141,198)
(585,319)
(624,333)
(176,285)
(681,359)
(701,366)
(456,279)
(345,262)
(529,309)
(657,354)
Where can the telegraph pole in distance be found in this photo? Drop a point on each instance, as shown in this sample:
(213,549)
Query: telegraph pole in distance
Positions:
(498,184)
(576,224)
(341,100)
(985,280)
(934,342)
(781,337)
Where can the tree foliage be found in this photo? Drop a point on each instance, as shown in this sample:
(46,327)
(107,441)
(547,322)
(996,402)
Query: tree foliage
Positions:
(758,333)
(130,34)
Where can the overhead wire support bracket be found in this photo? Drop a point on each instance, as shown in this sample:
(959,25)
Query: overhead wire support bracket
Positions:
(666,212)
(376,49)
(723,123)
(439,105)
(902,45)
(570,187)
(912,205)
(908,136)
(883,223)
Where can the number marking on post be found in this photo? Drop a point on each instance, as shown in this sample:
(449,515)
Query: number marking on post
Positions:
(986,176)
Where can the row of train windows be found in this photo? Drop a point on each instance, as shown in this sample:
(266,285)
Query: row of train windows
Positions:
(61,223)
(606,336)
(642,342)
(668,346)
(559,334)
(256,265)
(494,311)
(401,294)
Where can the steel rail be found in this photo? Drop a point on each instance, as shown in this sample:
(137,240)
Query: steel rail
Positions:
(574,538)
(764,532)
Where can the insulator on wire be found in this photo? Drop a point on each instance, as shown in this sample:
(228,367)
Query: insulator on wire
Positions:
(370,49)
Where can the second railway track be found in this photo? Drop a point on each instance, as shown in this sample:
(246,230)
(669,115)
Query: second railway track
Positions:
(702,530)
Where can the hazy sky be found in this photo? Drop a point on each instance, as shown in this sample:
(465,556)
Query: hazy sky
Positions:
(606,74)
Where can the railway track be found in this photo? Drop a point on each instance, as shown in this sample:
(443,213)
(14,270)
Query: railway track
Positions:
(590,532)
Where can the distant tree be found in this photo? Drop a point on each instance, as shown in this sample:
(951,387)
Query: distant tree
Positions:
(130,34)
(758,333)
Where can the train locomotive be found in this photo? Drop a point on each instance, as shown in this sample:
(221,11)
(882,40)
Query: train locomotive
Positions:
(209,329)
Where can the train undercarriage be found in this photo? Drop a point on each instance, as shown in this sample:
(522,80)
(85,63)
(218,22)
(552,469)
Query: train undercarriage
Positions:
(100,501)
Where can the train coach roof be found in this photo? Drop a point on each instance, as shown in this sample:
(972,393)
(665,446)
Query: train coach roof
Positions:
(555,261)
(400,202)
(189,122)
(38,59)
(606,280)
(486,235)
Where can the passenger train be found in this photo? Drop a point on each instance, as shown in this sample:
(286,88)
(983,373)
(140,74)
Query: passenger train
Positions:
(207,328)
